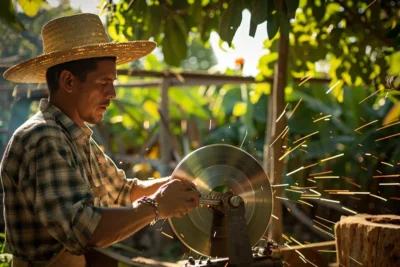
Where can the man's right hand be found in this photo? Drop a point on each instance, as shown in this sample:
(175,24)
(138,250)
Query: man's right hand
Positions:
(176,198)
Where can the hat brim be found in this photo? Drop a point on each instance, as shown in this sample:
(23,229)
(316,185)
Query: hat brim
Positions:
(34,70)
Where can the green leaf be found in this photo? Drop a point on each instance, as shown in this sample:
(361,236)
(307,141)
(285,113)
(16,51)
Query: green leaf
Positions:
(30,7)
(292,6)
(230,21)
(259,11)
(174,45)
(7,13)
(253,29)
(272,25)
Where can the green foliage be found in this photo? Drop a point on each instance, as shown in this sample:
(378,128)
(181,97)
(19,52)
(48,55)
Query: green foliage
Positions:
(170,22)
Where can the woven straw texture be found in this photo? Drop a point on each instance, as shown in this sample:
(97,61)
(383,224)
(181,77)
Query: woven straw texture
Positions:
(72,38)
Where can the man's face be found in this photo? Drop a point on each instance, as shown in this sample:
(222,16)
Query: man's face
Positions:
(95,93)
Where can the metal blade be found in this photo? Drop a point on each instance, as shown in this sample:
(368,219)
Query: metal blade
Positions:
(202,230)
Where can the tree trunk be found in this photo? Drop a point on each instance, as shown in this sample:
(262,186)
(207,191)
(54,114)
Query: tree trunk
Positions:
(276,104)
(372,240)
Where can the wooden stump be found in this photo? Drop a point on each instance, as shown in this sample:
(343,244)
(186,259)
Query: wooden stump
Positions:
(370,240)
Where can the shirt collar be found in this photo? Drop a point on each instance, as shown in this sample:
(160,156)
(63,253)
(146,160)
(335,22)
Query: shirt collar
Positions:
(73,129)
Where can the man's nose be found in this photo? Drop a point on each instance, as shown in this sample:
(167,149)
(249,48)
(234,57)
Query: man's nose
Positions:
(111,93)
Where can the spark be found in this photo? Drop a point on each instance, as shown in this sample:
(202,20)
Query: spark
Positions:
(324,219)
(395,198)
(302,187)
(330,89)
(362,193)
(318,173)
(336,190)
(291,150)
(374,93)
(328,251)
(297,241)
(353,183)
(285,133)
(329,200)
(356,198)
(290,173)
(390,136)
(311,165)
(215,233)
(310,195)
(282,198)
(363,119)
(300,84)
(390,122)
(355,260)
(365,125)
(315,192)
(349,210)
(364,11)
(286,244)
(296,191)
(183,255)
(310,262)
(287,238)
(386,176)
(365,169)
(341,193)
(302,259)
(330,229)
(279,185)
(316,197)
(273,216)
(326,177)
(283,112)
(226,264)
(182,236)
(324,117)
(372,195)
(304,137)
(167,235)
(311,180)
(298,103)
(387,164)
(301,201)
(326,159)
(299,252)
(209,128)
(389,183)
(278,136)
(322,230)
(386,126)
(243,139)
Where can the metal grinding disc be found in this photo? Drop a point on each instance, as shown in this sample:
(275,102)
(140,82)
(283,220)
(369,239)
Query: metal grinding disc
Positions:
(203,230)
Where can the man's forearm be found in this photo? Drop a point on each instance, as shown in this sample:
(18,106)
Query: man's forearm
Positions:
(147,187)
(117,224)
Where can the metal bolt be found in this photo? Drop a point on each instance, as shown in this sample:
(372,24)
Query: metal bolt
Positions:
(235,201)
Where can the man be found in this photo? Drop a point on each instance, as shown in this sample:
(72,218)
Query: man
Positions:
(62,194)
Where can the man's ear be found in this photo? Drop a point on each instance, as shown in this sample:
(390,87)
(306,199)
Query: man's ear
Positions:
(66,81)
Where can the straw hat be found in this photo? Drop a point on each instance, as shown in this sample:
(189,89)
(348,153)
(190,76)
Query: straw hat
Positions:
(72,38)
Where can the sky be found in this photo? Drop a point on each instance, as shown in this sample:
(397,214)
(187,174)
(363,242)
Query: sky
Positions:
(246,46)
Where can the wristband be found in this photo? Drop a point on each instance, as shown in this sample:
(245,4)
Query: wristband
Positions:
(150,202)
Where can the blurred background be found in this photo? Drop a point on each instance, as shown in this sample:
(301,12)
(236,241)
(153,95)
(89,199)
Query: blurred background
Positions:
(309,88)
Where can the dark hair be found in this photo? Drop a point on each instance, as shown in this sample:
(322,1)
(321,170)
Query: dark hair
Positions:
(79,68)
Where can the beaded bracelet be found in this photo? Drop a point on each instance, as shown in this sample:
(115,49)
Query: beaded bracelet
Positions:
(150,202)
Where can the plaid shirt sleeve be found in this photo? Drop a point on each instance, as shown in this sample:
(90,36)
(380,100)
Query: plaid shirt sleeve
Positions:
(62,198)
(118,186)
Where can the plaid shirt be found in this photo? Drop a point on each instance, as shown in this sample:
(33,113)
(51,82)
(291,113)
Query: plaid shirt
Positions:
(54,178)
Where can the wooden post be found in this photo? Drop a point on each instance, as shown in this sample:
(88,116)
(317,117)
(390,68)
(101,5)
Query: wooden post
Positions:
(276,104)
(165,146)
(368,240)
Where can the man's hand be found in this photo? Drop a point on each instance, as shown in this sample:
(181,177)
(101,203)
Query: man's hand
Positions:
(176,198)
